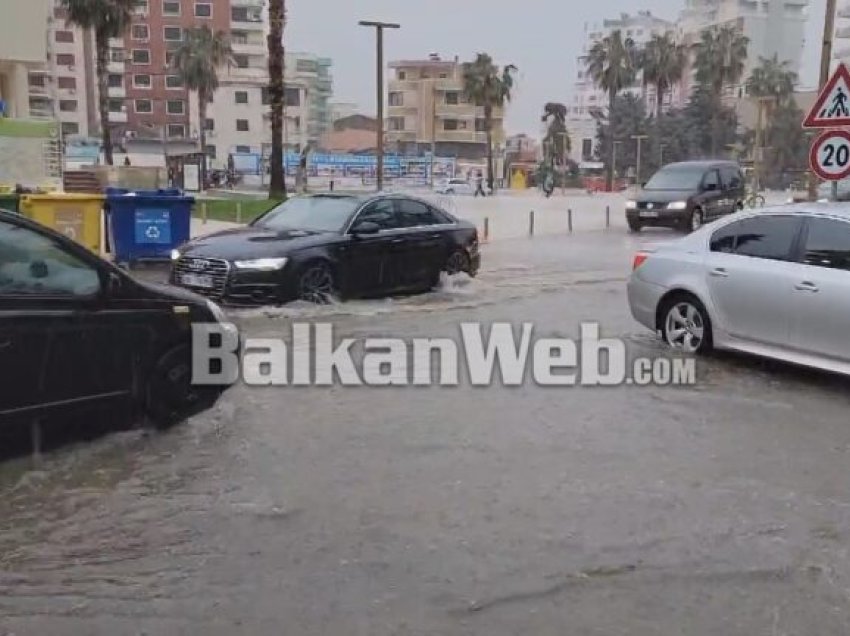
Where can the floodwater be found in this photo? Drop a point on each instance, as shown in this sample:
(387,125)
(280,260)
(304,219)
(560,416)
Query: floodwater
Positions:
(715,509)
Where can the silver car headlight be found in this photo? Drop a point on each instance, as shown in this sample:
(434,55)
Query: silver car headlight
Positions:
(262,264)
(677,205)
(631,205)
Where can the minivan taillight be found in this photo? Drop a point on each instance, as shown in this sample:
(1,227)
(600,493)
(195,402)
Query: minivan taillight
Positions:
(640,259)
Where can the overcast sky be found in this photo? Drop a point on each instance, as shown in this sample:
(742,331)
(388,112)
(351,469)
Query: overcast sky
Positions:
(542,37)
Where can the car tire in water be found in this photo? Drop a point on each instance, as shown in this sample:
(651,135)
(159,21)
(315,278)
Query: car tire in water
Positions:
(456,263)
(693,221)
(169,396)
(316,283)
(685,324)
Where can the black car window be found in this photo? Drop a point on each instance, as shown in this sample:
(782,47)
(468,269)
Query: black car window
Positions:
(35,265)
(711,181)
(383,213)
(416,214)
(828,244)
(723,240)
(731,177)
(768,237)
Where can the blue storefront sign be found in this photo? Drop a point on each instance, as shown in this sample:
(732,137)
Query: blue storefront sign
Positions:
(153,226)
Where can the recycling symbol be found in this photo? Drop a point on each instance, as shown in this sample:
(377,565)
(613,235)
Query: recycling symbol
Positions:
(152,232)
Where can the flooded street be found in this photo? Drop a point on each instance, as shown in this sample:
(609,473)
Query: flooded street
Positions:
(715,509)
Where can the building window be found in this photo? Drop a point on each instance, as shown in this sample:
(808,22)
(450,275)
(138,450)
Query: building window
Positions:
(176,131)
(144,106)
(292,97)
(240,61)
(242,125)
(141,56)
(65,59)
(175,106)
(203,10)
(444,75)
(396,99)
(68,105)
(396,123)
(141,81)
(480,125)
(171,7)
(402,76)
(140,32)
(64,36)
(116,106)
(243,150)
(173,81)
(244,14)
(241,97)
(450,124)
(586,149)
(169,59)
(114,80)
(209,124)
(36,81)
(140,7)
(68,83)
(452,98)
(117,56)
(70,128)
(210,151)
(172,34)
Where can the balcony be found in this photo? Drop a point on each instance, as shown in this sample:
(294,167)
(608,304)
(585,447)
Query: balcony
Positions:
(248,73)
(117,91)
(249,48)
(462,136)
(118,117)
(401,135)
(115,67)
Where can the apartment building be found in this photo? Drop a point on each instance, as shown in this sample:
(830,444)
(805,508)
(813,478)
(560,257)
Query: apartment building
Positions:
(44,77)
(587,97)
(427,107)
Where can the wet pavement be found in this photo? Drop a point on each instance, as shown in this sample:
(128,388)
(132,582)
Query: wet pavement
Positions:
(716,509)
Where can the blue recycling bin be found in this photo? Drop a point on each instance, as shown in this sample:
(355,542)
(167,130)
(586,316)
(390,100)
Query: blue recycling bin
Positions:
(145,225)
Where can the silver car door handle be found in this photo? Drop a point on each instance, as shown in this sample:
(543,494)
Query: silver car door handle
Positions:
(719,272)
(807,286)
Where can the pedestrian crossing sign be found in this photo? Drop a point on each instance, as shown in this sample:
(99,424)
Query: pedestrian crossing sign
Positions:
(832,107)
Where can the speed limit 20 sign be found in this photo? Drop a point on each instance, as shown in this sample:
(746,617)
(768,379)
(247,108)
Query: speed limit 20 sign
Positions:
(830,155)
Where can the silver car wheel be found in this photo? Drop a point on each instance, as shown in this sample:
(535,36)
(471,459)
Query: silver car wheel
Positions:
(684,327)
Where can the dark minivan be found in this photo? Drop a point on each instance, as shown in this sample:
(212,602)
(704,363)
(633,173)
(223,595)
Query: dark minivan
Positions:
(79,335)
(688,194)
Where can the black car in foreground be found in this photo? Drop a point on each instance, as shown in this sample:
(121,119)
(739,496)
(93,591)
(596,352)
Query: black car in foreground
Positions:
(320,246)
(687,195)
(79,335)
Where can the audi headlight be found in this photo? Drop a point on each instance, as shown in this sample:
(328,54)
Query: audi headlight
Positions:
(262,264)
(631,205)
(175,255)
(677,205)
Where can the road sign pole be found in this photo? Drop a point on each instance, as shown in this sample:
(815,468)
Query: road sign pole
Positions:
(825,61)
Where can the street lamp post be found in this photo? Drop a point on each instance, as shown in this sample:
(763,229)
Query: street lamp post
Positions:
(661,154)
(614,158)
(639,139)
(379,35)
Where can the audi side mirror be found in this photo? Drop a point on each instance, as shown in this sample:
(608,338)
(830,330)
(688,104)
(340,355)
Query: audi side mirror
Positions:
(366,228)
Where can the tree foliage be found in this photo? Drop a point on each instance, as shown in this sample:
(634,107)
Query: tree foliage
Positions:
(557,140)
(663,63)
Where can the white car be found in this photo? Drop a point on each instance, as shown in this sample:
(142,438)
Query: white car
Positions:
(454,186)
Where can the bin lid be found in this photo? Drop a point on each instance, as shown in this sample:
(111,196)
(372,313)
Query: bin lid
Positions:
(62,196)
(163,193)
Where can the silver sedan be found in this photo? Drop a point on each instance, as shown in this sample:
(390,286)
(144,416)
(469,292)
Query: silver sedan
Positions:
(774,283)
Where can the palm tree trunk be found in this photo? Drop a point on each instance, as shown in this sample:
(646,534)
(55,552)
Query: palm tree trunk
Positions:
(609,160)
(102,61)
(203,100)
(659,100)
(488,125)
(277,184)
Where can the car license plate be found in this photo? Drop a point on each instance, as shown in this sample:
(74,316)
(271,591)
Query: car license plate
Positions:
(197,280)
(649,214)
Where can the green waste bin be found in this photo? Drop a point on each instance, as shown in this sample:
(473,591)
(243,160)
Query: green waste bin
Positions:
(9,201)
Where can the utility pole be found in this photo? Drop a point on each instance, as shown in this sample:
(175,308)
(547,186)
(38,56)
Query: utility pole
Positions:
(614,157)
(825,62)
(433,129)
(379,36)
(661,154)
(639,139)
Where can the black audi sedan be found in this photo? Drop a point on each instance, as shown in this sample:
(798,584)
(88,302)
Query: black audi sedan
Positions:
(321,246)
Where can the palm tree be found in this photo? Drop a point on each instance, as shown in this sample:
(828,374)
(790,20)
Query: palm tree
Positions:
(488,87)
(721,55)
(611,65)
(106,19)
(663,63)
(277,93)
(197,60)
(557,140)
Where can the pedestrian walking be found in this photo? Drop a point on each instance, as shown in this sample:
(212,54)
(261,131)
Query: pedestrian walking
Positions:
(479,184)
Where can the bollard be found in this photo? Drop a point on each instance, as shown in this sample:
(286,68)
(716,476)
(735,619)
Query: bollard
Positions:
(239,212)
(486,228)
(607,216)
(531,223)
(204,212)
(570,220)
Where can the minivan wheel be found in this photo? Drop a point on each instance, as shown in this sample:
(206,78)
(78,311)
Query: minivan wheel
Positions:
(634,226)
(170,396)
(685,324)
(694,221)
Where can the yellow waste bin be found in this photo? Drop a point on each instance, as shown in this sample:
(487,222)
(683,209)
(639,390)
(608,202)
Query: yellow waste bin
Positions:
(77,216)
